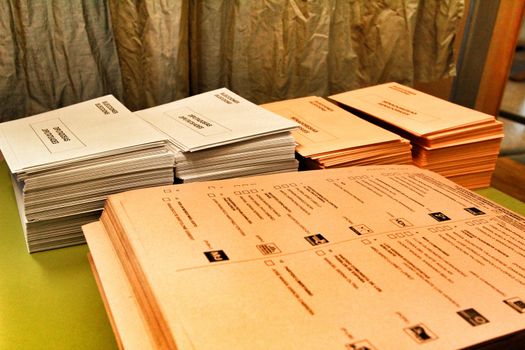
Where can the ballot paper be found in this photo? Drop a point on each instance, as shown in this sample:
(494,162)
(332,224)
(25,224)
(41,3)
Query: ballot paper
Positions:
(218,135)
(265,154)
(81,131)
(380,257)
(65,163)
(122,307)
(433,126)
(412,110)
(329,136)
(212,119)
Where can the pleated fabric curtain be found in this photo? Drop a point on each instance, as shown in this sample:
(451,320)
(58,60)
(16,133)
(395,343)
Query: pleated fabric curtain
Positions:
(271,50)
(147,52)
(153,46)
(55,53)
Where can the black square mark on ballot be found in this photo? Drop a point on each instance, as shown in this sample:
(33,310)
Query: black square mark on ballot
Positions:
(474,211)
(420,333)
(268,248)
(360,345)
(473,317)
(216,256)
(316,239)
(517,304)
(439,216)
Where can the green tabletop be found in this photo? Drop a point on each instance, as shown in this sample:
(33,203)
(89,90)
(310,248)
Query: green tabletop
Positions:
(49,300)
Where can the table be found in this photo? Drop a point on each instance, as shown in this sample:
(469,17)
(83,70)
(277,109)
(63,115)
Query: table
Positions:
(49,300)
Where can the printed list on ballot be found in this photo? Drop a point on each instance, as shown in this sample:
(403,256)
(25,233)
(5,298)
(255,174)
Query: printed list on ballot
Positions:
(357,257)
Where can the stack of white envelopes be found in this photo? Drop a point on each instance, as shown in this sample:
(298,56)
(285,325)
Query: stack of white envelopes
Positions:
(218,135)
(329,136)
(457,142)
(65,162)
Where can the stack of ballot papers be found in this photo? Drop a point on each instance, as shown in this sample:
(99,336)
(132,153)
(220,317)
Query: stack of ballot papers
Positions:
(373,257)
(219,135)
(457,142)
(328,136)
(65,162)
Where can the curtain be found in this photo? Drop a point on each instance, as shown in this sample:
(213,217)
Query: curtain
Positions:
(55,53)
(152,44)
(272,50)
(148,52)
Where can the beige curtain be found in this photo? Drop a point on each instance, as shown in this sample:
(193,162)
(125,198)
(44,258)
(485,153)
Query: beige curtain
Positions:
(148,52)
(273,49)
(54,53)
(152,43)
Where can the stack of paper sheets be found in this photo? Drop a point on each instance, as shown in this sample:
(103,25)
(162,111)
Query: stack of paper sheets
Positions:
(329,136)
(378,257)
(67,161)
(457,142)
(219,134)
